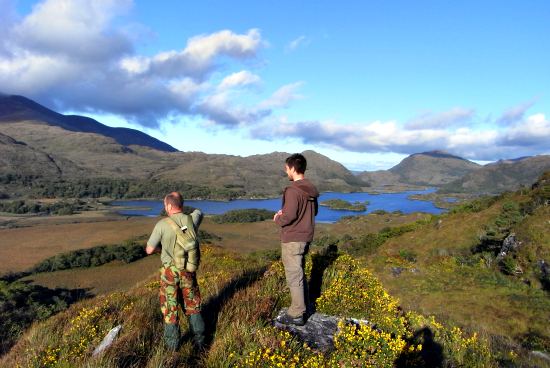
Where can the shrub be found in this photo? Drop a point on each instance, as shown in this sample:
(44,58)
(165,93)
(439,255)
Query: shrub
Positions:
(129,251)
(245,215)
(22,303)
(408,255)
(476,205)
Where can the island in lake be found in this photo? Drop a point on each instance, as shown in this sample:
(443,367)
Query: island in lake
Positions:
(340,204)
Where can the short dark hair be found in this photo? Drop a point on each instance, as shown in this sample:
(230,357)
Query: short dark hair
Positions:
(298,162)
(175,199)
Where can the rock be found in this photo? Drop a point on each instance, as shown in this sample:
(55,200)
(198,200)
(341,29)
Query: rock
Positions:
(509,244)
(540,355)
(107,340)
(396,271)
(544,268)
(319,330)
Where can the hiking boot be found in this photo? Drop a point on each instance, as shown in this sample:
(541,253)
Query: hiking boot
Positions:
(286,319)
(172,336)
(197,328)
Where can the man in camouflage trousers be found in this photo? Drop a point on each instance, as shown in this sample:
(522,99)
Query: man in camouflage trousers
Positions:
(177,286)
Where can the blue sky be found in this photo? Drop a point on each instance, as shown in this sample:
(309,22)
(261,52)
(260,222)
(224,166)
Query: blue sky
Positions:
(363,82)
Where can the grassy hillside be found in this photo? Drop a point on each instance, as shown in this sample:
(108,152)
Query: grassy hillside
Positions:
(242,294)
(500,176)
(435,291)
(450,267)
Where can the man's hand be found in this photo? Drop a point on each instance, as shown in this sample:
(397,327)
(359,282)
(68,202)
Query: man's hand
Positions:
(150,250)
(279,213)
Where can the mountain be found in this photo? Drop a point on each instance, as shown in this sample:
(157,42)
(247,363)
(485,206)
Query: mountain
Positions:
(501,176)
(40,143)
(258,174)
(18,108)
(433,168)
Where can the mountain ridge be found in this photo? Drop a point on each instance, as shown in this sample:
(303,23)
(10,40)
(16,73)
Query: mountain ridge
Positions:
(14,108)
(40,142)
(501,176)
(32,146)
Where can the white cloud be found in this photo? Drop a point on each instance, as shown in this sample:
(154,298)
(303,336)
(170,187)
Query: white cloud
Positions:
(283,96)
(205,47)
(297,42)
(533,131)
(74,29)
(444,119)
(526,138)
(134,64)
(70,55)
(196,59)
(515,113)
(239,79)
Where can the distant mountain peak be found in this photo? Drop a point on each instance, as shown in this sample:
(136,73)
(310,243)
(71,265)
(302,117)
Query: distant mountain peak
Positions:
(432,168)
(14,108)
(439,154)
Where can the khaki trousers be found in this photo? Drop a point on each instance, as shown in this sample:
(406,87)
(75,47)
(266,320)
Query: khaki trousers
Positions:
(293,256)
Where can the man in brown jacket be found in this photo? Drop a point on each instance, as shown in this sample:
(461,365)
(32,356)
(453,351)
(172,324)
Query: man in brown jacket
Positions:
(297,222)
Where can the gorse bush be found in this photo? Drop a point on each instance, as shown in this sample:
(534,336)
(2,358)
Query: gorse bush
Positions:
(384,337)
(354,292)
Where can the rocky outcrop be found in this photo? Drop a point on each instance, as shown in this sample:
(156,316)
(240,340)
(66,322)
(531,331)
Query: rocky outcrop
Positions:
(107,341)
(509,244)
(319,330)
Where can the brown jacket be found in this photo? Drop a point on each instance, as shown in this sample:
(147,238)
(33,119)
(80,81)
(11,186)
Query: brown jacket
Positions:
(299,210)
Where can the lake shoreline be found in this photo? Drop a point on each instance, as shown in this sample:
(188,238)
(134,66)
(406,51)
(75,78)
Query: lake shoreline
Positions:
(389,202)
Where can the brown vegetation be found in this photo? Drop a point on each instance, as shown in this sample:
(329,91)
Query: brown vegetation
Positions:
(22,248)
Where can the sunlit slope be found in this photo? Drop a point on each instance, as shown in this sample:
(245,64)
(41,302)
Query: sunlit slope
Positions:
(454,267)
(241,296)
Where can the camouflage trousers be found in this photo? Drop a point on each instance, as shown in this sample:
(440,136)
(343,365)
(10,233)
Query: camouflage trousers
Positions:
(178,288)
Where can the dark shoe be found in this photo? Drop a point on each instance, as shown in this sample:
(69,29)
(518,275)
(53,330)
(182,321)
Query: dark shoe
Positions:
(285,319)
(197,327)
(172,336)
(311,309)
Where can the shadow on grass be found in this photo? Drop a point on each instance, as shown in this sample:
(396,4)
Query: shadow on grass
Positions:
(214,305)
(22,303)
(431,354)
(320,262)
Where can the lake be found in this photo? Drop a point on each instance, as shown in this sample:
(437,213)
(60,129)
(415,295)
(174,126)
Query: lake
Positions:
(387,201)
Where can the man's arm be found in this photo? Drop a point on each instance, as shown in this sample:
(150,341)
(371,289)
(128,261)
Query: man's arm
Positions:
(197,216)
(154,241)
(289,212)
